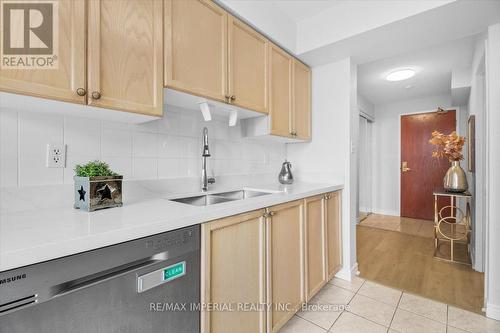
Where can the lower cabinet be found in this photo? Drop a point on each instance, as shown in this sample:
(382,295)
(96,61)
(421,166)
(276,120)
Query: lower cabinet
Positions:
(316,261)
(233,273)
(285,262)
(258,268)
(333,232)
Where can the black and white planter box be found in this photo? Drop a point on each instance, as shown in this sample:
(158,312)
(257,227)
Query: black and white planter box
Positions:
(92,193)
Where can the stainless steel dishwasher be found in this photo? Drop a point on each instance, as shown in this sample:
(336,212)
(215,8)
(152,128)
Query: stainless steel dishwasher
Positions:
(148,285)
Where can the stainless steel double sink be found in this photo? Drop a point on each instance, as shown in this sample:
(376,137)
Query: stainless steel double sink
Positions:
(216,198)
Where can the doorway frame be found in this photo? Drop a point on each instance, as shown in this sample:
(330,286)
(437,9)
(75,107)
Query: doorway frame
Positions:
(369,119)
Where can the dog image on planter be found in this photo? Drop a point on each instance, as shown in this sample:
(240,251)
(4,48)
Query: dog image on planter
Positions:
(97,187)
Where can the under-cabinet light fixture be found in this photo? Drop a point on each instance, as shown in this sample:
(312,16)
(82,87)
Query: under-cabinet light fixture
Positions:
(205,110)
(233,118)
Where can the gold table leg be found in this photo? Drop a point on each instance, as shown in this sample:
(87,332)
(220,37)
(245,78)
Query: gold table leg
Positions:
(436,220)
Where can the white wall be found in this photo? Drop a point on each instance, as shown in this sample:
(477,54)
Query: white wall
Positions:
(365,106)
(166,148)
(350,18)
(386,149)
(327,157)
(264,16)
(493,172)
(477,107)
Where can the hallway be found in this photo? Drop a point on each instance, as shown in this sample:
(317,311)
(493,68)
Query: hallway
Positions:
(416,227)
(403,259)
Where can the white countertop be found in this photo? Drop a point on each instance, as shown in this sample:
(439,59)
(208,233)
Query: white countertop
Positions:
(31,234)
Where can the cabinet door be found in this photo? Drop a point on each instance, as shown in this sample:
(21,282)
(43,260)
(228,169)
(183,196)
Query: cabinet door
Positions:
(247,66)
(285,234)
(233,271)
(125,48)
(315,235)
(334,233)
(280,95)
(301,100)
(196,47)
(62,82)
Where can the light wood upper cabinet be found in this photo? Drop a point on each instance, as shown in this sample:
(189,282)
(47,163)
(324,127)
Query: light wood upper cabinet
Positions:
(233,271)
(247,54)
(334,232)
(280,91)
(60,83)
(301,120)
(315,235)
(125,48)
(196,47)
(285,259)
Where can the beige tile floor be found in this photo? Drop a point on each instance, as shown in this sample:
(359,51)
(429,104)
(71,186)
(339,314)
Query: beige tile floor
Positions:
(372,308)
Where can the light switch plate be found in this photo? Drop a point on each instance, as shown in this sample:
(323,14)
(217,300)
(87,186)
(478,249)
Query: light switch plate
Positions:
(56,155)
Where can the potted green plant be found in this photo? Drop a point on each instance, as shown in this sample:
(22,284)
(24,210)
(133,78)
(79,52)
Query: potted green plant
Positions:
(97,186)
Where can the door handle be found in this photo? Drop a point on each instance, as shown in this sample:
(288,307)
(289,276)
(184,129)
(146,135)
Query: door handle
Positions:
(87,281)
(404,167)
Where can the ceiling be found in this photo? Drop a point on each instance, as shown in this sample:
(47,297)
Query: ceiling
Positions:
(434,66)
(298,10)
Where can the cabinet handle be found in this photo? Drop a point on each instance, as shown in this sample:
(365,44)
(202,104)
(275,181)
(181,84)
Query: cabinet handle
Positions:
(96,95)
(268,214)
(293,133)
(81,92)
(233,97)
(227,97)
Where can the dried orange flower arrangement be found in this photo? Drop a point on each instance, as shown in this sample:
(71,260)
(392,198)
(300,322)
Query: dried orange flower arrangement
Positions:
(449,146)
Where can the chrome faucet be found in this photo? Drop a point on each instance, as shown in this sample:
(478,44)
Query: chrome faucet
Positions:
(205,180)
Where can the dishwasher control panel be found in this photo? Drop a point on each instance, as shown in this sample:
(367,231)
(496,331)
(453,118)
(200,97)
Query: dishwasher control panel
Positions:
(170,240)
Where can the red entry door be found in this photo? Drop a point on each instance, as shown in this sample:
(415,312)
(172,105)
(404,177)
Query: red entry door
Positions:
(420,172)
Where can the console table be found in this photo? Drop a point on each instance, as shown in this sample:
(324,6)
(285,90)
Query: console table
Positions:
(452,225)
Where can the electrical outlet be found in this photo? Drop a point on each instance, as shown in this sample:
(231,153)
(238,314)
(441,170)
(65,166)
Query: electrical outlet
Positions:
(56,155)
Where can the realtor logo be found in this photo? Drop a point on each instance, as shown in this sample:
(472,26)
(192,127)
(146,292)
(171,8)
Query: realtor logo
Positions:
(30,34)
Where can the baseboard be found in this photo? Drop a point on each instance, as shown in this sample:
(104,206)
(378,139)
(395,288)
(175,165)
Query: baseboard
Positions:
(347,274)
(385,212)
(493,311)
(473,258)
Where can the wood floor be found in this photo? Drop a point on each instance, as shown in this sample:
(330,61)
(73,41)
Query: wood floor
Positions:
(405,261)
(423,228)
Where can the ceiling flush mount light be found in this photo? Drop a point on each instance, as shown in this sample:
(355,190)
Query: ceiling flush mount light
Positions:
(400,74)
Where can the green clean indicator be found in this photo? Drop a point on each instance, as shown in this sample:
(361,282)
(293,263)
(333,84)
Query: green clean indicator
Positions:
(174,271)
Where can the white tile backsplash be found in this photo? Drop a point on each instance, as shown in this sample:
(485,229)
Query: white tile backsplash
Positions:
(168,168)
(83,136)
(145,144)
(36,131)
(165,148)
(169,146)
(116,142)
(145,168)
(120,165)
